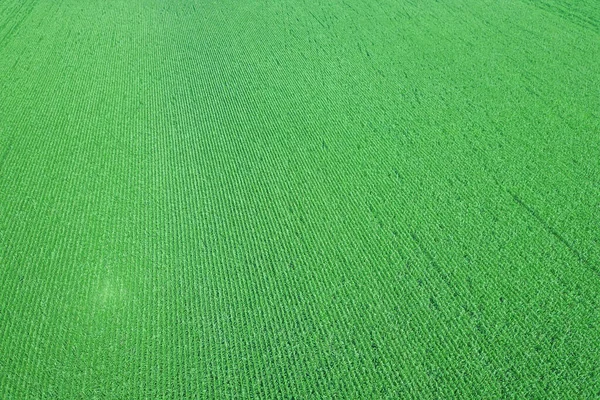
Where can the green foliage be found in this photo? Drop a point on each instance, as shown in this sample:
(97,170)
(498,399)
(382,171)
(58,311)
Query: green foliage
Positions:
(299,199)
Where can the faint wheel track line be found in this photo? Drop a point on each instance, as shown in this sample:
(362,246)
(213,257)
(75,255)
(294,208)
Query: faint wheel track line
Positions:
(5,152)
(27,10)
(432,261)
(577,18)
(318,20)
(551,230)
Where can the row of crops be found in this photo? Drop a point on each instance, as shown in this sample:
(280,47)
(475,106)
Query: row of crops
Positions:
(299,199)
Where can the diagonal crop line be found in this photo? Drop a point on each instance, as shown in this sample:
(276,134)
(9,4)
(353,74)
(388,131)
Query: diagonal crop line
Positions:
(23,13)
(550,229)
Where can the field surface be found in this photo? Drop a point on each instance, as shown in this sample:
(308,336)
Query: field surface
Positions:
(299,199)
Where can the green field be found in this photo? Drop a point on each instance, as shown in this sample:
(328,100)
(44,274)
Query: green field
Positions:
(299,199)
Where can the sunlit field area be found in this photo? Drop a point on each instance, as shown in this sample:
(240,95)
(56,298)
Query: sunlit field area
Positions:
(299,199)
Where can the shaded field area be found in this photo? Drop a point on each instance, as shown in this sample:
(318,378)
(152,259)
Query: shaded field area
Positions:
(299,199)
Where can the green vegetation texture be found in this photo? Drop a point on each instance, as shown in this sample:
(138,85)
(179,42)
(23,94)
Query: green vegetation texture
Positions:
(299,199)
